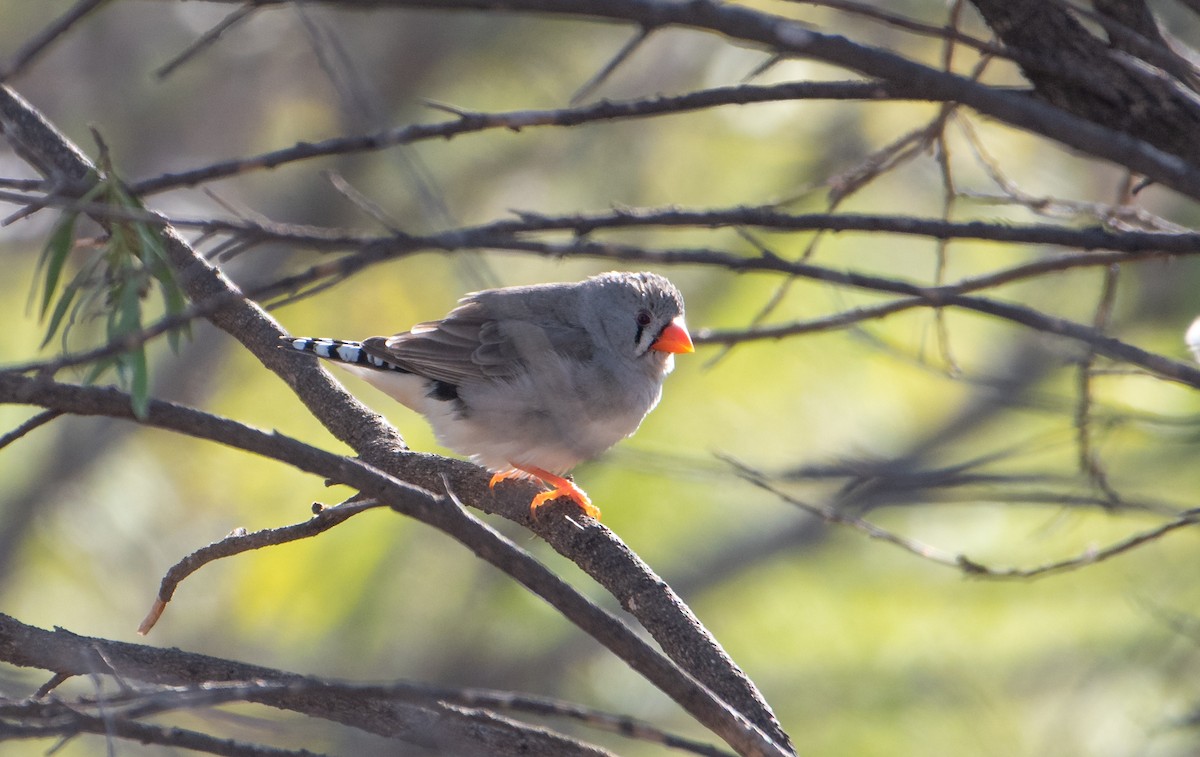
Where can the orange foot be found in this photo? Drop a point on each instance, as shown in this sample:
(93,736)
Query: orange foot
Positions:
(562,487)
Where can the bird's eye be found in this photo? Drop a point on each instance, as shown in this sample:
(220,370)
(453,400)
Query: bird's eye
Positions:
(643,318)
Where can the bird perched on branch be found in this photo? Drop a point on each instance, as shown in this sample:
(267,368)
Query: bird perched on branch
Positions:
(529,381)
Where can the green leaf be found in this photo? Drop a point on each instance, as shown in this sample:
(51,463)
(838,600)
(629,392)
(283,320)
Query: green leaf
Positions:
(54,258)
(152,244)
(154,257)
(60,310)
(139,381)
(114,283)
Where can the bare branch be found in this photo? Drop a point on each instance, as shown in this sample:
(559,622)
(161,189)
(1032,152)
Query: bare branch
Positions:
(468,122)
(40,720)
(237,542)
(188,682)
(36,421)
(622,55)
(206,40)
(1089,460)
(962,562)
(407,712)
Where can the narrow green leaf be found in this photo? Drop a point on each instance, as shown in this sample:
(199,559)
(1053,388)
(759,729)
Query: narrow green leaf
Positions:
(60,310)
(158,264)
(152,244)
(139,381)
(128,303)
(54,258)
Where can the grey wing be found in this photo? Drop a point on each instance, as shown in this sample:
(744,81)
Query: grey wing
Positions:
(472,345)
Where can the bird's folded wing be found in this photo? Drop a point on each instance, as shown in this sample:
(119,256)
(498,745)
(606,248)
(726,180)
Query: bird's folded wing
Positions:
(470,346)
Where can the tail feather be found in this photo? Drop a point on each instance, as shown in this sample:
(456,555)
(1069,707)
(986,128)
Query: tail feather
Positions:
(338,350)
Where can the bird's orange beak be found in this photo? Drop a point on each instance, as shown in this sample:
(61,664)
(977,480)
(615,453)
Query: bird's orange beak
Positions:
(674,338)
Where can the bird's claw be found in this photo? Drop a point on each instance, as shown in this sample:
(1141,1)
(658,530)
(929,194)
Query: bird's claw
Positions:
(574,493)
(561,488)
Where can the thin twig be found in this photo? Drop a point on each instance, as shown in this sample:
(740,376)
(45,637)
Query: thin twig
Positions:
(622,55)
(468,122)
(1088,459)
(40,419)
(38,43)
(962,562)
(206,40)
(67,722)
(239,541)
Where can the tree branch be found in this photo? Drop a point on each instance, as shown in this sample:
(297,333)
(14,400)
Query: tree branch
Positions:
(960,561)
(443,514)
(470,122)
(429,723)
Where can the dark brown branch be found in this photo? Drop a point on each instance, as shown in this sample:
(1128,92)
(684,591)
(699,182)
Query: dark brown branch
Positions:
(1093,238)
(1142,245)
(1174,370)
(1147,244)
(1132,28)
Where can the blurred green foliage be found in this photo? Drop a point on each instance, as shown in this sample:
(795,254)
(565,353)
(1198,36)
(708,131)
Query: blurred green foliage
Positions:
(861,648)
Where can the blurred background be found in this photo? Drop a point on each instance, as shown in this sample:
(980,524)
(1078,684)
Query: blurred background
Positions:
(964,438)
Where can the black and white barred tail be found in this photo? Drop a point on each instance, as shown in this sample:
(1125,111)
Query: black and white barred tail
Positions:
(339,351)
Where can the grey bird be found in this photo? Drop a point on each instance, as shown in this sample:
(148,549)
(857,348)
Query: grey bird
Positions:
(529,381)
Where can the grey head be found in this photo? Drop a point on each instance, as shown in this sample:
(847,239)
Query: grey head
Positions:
(627,313)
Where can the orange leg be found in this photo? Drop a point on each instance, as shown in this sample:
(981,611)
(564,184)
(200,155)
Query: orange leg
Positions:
(561,488)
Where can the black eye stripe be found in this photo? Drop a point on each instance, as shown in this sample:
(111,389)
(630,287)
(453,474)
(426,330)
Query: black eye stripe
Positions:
(642,319)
